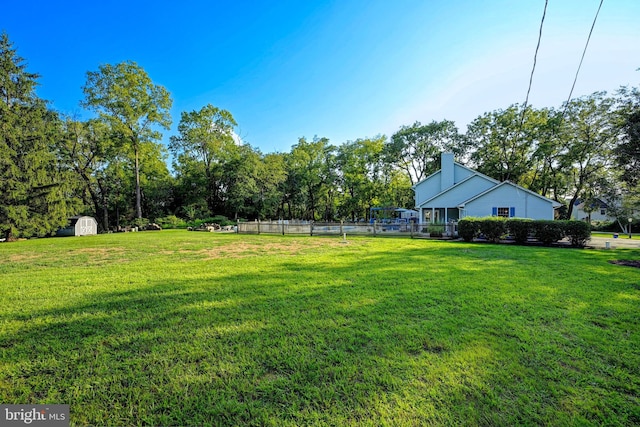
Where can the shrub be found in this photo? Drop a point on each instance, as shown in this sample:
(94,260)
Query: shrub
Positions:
(435,230)
(548,232)
(519,228)
(468,229)
(578,232)
(493,228)
(171,221)
(140,222)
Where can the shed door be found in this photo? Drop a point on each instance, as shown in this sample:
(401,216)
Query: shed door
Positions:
(85,226)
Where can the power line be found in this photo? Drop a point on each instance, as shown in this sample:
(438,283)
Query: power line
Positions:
(535,56)
(583,54)
(533,69)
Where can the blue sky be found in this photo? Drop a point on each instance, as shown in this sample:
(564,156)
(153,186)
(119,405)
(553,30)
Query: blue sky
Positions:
(338,69)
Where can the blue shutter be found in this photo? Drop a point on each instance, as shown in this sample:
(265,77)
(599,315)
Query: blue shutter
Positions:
(494,211)
(512,212)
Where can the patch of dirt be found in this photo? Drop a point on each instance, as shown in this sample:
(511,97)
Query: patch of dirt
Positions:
(628,263)
(100,256)
(23,257)
(97,251)
(246,249)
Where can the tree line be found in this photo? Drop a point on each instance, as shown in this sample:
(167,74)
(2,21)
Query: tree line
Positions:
(114,167)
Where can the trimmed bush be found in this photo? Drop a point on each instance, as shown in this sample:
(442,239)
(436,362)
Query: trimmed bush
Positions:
(493,228)
(578,232)
(468,229)
(520,228)
(548,232)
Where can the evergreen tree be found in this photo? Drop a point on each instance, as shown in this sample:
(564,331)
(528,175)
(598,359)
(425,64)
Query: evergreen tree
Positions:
(33,199)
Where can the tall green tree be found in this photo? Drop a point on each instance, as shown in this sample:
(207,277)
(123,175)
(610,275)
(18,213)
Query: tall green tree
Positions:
(272,175)
(86,149)
(546,176)
(396,190)
(627,152)
(156,183)
(311,180)
(589,134)
(504,142)
(361,170)
(203,144)
(416,149)
(34,194)
(127,99)
(240,181)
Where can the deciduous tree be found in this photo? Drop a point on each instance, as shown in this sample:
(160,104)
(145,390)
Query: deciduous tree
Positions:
(204,143)
(416,149)
(86,149)
(504,142)
(127,99)
(627,152)
(361,171)
(589,134)
(311,179)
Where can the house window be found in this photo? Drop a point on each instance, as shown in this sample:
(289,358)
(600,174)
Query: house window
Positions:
(504,212)
(603,211)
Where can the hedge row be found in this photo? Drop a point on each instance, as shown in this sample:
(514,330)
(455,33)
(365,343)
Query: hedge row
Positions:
(495,229)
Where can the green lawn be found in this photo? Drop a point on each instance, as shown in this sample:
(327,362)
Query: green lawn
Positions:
(180,328)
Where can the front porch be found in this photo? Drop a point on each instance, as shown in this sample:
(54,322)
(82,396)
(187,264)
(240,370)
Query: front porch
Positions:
(440,215)
(440,221)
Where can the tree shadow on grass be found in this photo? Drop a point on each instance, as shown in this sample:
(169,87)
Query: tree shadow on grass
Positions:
(171,354)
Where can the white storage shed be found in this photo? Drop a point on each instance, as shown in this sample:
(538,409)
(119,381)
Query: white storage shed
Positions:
(79,226)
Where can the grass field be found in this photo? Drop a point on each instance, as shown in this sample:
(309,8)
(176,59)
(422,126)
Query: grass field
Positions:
(179,328)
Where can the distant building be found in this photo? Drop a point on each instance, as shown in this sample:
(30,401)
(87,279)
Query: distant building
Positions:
(597,210)
(79,226)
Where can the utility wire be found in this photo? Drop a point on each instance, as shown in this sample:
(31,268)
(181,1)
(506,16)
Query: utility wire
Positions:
(533,69)
(582,58)
(535,56)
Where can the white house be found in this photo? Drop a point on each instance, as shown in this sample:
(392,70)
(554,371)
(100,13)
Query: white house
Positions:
(598,210)
(456,191)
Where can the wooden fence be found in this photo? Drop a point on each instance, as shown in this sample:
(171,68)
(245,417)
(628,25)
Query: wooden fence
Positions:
(339,228)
